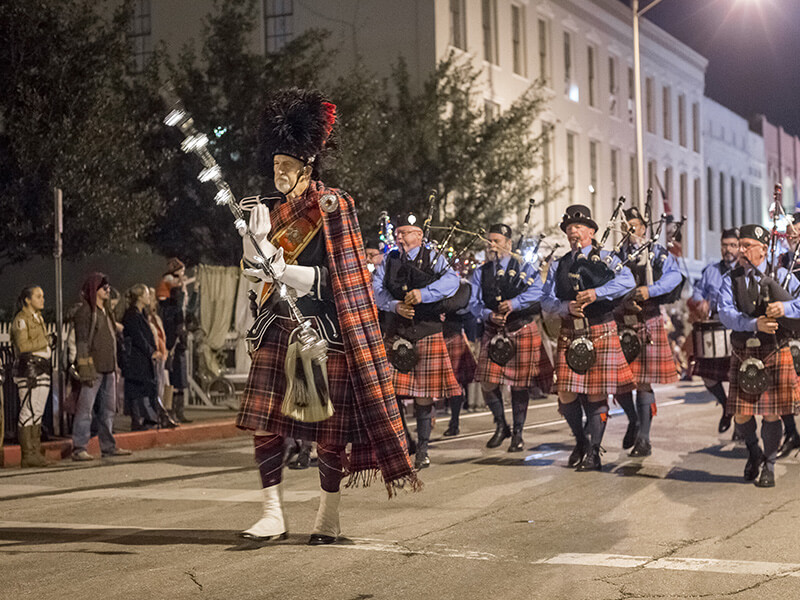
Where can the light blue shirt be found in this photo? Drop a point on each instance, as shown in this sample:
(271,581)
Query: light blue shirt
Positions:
(442,288)
(524,300)
(710,283)
(732,318)
(616,288)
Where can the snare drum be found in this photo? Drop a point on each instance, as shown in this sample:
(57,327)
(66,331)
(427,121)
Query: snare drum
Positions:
(710,339)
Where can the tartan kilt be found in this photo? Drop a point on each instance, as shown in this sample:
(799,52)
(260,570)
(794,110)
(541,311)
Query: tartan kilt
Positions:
(260,409)
(610,374)
(715,369)
(433,376)
(462,360)
(656,361)
(530,365)
(782,396)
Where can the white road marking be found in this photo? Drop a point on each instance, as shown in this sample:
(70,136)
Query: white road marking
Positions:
(163,493)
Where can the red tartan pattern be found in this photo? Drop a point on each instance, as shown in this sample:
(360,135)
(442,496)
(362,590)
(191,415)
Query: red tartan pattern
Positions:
(656,362)
(714,369)
(530,365)
(610,373)
(782,396)
(433,376)
(461,359)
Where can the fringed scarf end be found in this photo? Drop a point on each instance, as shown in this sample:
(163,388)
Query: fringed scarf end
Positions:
(366,477)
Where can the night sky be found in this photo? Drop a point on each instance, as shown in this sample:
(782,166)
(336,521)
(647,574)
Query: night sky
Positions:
(752,47)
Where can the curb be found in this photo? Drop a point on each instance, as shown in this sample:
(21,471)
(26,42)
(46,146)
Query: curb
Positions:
(10,456)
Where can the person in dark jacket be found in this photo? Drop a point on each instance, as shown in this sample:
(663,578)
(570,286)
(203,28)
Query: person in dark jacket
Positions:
(174,318)
(141,351)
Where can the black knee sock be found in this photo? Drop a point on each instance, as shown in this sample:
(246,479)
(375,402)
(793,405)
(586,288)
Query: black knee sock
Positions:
(719,393)
(455,403)
(573,413)
(789,425)
(269,458)
(423,415)
(747,432)
(494,400)
(626,402)
(331,470)
(644,408)
(771,436)
(519,408)
(597,415)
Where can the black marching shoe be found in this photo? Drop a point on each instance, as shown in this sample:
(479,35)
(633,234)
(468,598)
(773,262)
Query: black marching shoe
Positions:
(724,423)
(753,463)
(516,445)
(767,478)
(577,454)
(591,462)
(502,432)
(451,431)
(318,539)
(301,460)
(422,461)
(630,435)
(790,442)
(641,448)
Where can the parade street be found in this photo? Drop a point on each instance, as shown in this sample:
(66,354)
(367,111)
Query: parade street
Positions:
(489,524)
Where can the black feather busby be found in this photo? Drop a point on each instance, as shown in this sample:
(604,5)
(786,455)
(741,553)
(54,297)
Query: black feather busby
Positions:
(297,123)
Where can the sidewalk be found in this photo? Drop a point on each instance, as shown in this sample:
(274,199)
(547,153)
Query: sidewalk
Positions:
(206,425)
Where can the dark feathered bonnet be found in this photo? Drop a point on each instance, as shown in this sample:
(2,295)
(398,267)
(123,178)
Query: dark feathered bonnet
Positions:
(297,123)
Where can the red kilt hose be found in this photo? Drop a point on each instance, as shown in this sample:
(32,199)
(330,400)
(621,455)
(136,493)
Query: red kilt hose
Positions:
(782,396)
(656,361)
(462,360)
(266,386)
(714,369)
(433,376)
(610,373)
(529,366)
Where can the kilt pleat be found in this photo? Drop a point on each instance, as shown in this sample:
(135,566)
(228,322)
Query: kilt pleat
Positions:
(433,376)
(266,385)
(656,361)
(781,397)
(529,366)
(715,369)
(610,374)
(461,359)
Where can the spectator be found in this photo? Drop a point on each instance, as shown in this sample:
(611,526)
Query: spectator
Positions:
(31,372)
(140,354)
(174,317)
(163,401)
(96,364)
(175,277)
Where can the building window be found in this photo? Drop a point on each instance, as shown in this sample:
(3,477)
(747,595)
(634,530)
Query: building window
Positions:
(650,104)
(140,34)
(277,23)
(710,197)
(682,120)
(667,112)
(518,45)
(723,213)
(612,85)
(651,176)
(489,13)
(571,166)
(696,127)
(634,180)
(698,220)
(733,202)
(491,110)
(593,175)
(458,24)
(544,55)
(743,203)
(631,95)
(614,172)
(684,194)
(592,64)
(666,190)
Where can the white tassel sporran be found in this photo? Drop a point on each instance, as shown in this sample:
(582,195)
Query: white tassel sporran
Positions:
(307,396)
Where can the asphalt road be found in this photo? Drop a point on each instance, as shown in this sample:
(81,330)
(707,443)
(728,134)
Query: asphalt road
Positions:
(489,524)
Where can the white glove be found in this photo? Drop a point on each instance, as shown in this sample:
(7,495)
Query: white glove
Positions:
(300,278)
(260,226)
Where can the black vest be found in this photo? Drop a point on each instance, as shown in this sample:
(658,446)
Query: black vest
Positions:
(497,287)
(593,273)
(650,307)
(753,303)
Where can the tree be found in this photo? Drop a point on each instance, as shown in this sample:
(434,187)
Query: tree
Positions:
(66,121)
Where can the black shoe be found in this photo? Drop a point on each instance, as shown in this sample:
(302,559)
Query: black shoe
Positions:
(641,448)
(516,445)
(502,432)
(317,539)
(422,462)
(301,460)
(577,454)
(168,422)
(790,442)
(724,423)
(263,538)
(630,435)
(767,478)
(451,431)
(753,463)
(591,462)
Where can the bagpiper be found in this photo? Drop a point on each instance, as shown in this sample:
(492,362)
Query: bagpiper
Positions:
(582,288)
(642,330)
(411,285)
(704,312)
(454,329)
(506,296)
(762,316)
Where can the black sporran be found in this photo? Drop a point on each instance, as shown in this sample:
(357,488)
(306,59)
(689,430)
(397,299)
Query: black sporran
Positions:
(753,377)
(631,344)
(581,355)
(502,349)
(402,354)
